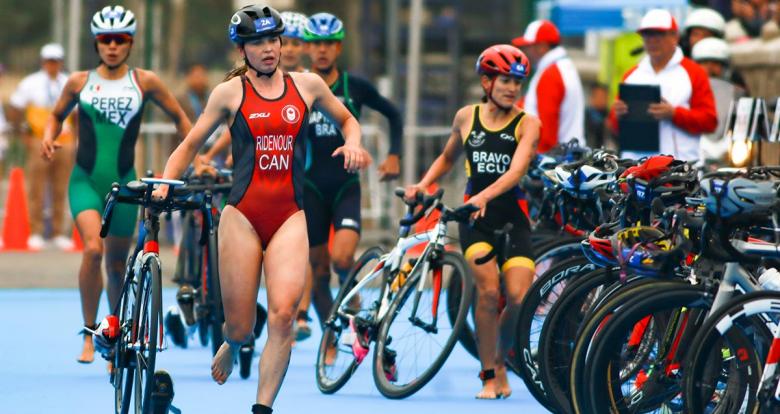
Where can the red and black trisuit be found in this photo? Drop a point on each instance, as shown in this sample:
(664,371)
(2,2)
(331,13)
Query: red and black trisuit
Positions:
(269,155)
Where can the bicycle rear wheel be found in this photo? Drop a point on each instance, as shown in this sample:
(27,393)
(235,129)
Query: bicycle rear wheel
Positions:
(418,326)
(336,361)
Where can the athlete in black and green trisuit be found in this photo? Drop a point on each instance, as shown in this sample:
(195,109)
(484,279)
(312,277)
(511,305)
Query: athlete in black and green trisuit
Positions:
(111,100)
(332,196)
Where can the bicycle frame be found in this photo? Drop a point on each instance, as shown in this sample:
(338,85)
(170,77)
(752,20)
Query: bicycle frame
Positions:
(735,274)
(390,263)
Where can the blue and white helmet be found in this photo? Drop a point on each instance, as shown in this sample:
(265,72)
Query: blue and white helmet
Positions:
(323,26)
(113,20)
(738,196)
(294,24)
(582,177)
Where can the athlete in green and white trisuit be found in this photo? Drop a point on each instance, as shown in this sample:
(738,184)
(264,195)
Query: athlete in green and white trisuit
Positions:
(111,100)
(109,118)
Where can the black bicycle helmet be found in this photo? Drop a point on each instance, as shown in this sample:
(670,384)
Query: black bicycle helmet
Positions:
(255,22)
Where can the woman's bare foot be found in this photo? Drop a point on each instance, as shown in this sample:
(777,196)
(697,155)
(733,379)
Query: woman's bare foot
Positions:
(488,391)
(330,355)
(87,351)
(502,382)
(222,365)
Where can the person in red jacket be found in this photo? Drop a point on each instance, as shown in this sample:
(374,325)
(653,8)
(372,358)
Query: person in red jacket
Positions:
(555,91)
(687,107)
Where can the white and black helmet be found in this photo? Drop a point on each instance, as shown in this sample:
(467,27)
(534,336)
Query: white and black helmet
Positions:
(113,19)
(706,18)
(711,49)
(581,178)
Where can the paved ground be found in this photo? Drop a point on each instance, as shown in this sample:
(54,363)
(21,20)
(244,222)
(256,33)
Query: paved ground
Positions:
(38,372)
(52,268)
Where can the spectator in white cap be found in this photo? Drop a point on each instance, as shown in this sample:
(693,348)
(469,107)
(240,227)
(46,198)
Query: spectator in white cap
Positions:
(555,91)
(30,107)
(687,107)
(713,55)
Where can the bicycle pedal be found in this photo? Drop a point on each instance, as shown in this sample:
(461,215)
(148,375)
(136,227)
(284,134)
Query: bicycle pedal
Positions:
(162,394)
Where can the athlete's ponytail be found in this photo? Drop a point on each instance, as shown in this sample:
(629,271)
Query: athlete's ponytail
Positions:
(238,71)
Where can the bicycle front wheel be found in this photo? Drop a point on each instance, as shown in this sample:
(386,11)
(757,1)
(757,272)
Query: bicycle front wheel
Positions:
(419,328)
(216,315)
(336,360)
(728,355)
(124,358)
(146,321)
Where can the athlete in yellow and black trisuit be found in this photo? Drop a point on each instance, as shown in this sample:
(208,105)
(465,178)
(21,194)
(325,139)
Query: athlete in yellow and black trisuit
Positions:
(499,141)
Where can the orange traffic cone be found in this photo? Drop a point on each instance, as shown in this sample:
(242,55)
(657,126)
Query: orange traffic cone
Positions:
(78,245)
(16,224)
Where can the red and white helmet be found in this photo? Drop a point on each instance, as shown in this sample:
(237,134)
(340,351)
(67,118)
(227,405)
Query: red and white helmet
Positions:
(503,60)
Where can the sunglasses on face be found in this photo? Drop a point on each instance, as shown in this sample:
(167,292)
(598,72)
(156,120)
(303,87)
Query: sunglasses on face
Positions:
(119,39)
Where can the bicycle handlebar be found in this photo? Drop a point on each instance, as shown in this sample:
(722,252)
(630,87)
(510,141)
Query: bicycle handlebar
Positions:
(140,193)
(222,183)
(424,200)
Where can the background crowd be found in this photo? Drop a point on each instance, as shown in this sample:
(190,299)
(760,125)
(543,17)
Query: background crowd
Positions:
(574,103)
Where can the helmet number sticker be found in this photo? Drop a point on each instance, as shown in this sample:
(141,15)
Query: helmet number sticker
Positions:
(264,23)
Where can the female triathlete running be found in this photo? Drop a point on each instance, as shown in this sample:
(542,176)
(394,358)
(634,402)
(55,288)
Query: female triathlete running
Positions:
(111,101)
(263,223)
(499,141)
